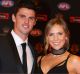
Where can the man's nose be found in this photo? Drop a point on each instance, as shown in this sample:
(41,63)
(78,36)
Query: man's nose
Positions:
(26,20)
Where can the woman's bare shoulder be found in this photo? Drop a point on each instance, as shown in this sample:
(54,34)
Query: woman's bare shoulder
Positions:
(74,58)
(74,64)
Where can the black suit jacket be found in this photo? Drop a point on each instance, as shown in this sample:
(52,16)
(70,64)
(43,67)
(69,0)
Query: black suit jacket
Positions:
(9,58)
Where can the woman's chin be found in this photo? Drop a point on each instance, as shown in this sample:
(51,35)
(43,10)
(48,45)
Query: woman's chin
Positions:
(56,48)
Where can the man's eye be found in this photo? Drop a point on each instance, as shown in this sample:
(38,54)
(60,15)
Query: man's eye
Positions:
(22,16)
(32,18)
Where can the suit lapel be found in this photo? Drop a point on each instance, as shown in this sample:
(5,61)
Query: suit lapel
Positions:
(15,52)
(16,58)
(34,57)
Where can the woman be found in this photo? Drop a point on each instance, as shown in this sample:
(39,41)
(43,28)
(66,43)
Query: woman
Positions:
(57,59)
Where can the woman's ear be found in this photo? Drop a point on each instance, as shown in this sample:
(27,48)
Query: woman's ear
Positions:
(66,38)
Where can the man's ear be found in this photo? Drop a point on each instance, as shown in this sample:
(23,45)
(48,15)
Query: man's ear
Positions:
(35,22)
(13,18)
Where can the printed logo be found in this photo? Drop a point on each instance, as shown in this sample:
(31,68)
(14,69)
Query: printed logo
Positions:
(75,19)
(42,17)
(64,6)
(7,3)
(4,16)
(36,32)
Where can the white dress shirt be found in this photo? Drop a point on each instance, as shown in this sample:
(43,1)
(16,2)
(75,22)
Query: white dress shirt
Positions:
(18,42)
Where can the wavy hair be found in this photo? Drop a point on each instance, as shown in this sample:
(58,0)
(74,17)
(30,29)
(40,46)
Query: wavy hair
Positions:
(59,21)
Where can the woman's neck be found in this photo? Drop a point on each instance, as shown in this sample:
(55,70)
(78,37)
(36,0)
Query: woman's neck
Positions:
(58,52)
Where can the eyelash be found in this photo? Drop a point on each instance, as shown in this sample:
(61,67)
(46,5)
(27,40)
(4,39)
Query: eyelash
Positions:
(60,33)
(30,18)
(53,34)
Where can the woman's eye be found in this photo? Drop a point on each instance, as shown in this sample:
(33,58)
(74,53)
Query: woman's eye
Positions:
(51,34)
(60,33)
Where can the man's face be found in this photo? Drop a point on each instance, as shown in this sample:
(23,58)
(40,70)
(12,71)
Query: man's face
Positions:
(24,21)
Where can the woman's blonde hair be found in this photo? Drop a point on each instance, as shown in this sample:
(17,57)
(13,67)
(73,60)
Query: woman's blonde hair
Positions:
(59,21)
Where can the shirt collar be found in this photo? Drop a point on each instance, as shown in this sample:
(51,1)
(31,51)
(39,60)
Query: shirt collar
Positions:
(17,39)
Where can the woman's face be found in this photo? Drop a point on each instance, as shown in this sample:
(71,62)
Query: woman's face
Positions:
(57,37)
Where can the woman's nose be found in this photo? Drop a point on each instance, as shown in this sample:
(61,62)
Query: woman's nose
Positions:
(55,37)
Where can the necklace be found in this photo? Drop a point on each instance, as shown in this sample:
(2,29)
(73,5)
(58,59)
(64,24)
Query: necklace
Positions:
(58,52)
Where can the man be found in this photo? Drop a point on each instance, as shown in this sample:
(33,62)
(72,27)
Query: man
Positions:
(10,45)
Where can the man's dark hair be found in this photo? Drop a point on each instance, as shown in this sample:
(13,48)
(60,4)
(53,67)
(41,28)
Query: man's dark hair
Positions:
(24,4)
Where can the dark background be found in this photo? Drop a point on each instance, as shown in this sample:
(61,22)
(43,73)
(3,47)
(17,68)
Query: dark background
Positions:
(46,9)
